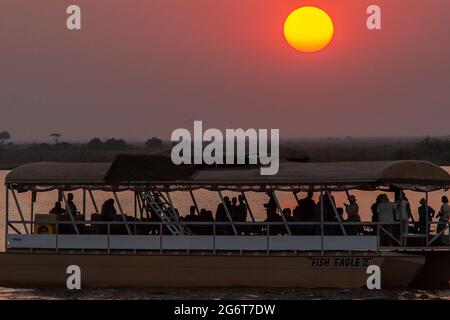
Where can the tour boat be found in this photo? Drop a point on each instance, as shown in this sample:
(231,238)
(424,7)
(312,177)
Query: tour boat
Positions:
(137,250)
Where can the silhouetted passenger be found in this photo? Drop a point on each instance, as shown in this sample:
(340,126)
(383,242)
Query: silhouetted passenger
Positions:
(57,209)
(352,210)
(273,216)
(443,216)
(242,209)
(192,217)
(386,218)
(108,211)
(425,209)
(71,207)
(403,213)
(222,216)
(206,216)
(234,210)
(305,210)
(374,207)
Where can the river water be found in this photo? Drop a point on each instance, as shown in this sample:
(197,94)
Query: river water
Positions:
(208,200)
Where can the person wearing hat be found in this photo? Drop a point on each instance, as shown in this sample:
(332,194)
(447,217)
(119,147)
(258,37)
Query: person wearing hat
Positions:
(423,210)
(352,210)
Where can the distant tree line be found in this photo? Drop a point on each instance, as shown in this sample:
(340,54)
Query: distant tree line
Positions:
(97,144)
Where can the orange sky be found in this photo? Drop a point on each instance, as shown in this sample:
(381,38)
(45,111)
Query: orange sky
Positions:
(145,67)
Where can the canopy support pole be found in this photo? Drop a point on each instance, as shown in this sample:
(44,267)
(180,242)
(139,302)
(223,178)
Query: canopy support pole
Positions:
(135,204)
(194,201)
(273,194)
(427,235)
(143,205)
(33,200)
(91,195)
(84,202)
(228,212)
(140,205)
(347,193)
(6,216)
(321,224)
(19,209)
(296,196)
(248,206)
(338,218)
(69,211)
(122,214)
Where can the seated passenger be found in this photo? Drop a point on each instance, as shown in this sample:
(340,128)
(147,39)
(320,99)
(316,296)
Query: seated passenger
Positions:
(57,209)
(108,211)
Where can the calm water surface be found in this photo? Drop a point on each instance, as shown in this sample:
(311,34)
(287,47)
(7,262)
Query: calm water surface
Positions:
(208,200)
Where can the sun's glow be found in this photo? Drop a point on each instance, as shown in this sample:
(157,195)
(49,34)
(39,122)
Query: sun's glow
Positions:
(308,29)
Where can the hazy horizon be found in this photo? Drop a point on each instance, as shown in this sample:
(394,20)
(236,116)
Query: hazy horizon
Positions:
(142,68)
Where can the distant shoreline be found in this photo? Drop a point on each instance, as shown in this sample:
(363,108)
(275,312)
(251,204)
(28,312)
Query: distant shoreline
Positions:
(436,150)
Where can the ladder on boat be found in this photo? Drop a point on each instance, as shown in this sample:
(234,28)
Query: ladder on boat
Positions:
(159,205)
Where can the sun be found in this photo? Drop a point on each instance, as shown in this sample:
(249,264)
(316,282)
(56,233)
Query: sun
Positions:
(308,29)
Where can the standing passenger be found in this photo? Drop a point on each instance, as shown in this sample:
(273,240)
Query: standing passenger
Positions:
(71,207)
(385,212)
(352,210)
(403,213)
(443,216)
(423,220)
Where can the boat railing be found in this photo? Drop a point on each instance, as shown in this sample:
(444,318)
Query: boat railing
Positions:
(375,235)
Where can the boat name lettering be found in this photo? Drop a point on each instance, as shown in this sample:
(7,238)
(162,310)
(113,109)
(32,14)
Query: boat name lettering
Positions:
(341,262)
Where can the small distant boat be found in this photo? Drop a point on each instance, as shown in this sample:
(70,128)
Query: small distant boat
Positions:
(154,247)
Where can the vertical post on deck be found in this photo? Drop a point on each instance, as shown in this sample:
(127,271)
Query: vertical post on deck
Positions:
(194,201)
(427,222)
(6,216)
(135,205)
(19,209)
(321,223)
(122,214)
(338,218)
(84,202)
(296,196)
(273,194)
(91,195)
(248,206)
(69,211)
(228,212)
(33,199)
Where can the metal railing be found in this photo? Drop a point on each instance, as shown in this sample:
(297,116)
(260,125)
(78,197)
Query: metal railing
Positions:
(387,233)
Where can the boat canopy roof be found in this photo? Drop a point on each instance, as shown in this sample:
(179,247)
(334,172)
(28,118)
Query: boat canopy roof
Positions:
(141,172)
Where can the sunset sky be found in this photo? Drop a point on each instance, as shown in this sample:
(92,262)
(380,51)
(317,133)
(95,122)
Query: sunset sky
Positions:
(141,68)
